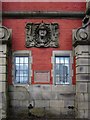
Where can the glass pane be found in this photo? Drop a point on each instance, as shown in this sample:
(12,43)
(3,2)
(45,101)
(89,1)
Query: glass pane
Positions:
(26,60)
(21,66)
(61,60)
(57,59)
(21,59)
(17,66)
(68,70)
(66,60)
(65,69)
(17,73)
(25,71)
(25,79)
(25,75)
(21,69)
(25,67)
(61,70)
(17,59)
(57,69)
(21,73)
(57,80)
(17,79)
(21,80)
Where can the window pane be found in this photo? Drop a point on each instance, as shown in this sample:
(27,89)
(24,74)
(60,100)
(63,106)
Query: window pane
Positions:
(66,60)
(17,66)
(21,67)
(21,80)
(25,67)
(57,80)
(21,59)
(57,59)
(25,79)
(57,69)
(17,73)
(21,73)
(26,60)
(17,79)
(25,75)
(61,60)
(62,70)
(17,60)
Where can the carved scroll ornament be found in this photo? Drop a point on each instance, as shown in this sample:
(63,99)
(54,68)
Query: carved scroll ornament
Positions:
(4,33)
(42,35)
(82,34)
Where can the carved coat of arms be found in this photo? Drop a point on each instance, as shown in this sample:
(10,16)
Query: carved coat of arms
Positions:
(42,34)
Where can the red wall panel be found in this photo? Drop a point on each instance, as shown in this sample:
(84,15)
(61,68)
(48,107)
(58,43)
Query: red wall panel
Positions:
(41,56)
(44,6)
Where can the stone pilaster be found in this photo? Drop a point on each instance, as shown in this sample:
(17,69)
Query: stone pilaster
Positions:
(4,38)
(81,43)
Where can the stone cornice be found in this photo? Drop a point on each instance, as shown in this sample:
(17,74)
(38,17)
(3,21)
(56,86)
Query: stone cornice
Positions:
(43,14)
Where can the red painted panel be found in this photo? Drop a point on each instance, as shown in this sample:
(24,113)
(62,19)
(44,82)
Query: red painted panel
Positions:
(44,6)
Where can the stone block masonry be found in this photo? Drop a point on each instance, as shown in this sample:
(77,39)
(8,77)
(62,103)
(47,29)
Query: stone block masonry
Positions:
(3,83)
(54,99)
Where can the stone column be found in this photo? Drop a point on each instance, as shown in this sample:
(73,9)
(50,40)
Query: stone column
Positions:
(81,43)
(4,40)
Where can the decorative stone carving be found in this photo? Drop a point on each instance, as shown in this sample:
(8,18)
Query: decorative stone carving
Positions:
(42,35)
(82,34)
(4,34)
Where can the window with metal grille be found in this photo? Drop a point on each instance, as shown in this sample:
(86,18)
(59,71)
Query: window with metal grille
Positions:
(21,69)
(62,69)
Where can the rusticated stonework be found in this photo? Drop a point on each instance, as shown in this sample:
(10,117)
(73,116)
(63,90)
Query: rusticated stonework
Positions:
(42,34)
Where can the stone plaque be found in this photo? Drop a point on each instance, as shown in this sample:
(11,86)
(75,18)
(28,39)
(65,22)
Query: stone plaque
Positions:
(42,34)
(41,76)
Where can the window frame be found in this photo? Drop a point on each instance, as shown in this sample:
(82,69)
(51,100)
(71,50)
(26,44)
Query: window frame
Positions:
(62,54)
(22,53)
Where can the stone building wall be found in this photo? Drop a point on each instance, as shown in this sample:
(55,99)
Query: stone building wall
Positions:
(3,82)
(54,99)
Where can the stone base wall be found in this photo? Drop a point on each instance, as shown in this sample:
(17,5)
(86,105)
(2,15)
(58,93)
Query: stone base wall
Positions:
(3,82)
(54,98)
(82,101)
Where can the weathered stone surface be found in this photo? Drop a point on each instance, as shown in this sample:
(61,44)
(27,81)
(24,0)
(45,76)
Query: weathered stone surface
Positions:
(42,103)
(2,86)
(2,61)
(82,69)
(81,87)
(82,49)
(83,77)
(2,77)
(83,105)
(68,103)
(82,61)
(2,54)
(64,88)
(19,95)
(52,97)
(2,69)
(57,103)
(81,97)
